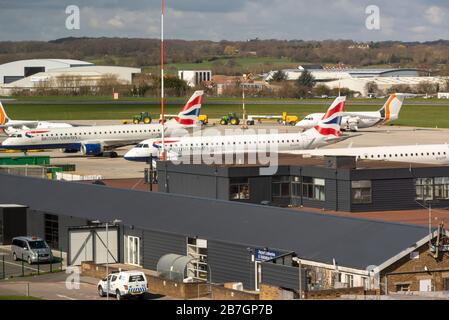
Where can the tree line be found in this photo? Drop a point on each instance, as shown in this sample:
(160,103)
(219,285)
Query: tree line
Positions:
(432,57)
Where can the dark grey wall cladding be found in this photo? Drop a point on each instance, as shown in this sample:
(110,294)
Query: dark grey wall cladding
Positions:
(230,263)
(352,242)
(282,276)
(158,244)
(36,223)
(260,189)
(15,223)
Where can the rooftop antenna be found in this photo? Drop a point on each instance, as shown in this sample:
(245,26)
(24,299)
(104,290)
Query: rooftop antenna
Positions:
(162,81)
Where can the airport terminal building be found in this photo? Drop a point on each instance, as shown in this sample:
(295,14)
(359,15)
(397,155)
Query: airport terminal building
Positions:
(332,183)
(224,241)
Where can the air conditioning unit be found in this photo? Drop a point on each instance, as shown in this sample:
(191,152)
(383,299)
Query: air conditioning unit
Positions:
(237,286)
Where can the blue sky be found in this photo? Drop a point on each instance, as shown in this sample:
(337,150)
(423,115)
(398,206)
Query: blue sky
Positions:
(407,20)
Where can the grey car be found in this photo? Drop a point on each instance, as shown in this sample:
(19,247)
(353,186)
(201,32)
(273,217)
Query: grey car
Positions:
(30,249)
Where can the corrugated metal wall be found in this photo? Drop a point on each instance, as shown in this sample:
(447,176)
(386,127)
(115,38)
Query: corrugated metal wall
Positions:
(282,276)
(157,244)
(230,263)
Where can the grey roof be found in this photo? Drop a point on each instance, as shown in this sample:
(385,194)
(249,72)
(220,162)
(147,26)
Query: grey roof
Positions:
(352,242)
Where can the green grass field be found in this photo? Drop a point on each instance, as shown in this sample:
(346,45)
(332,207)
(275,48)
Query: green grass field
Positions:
(246,63)
(411,115)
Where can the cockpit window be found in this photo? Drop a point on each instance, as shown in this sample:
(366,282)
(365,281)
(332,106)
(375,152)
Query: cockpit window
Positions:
(146,146)
(139,145)
(17,135)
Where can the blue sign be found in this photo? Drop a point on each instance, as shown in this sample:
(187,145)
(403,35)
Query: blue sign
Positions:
(265,255)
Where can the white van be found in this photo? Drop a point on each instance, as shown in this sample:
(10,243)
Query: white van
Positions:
(124,284)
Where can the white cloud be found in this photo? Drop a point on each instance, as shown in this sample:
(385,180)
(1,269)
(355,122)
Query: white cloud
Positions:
(228,19)
(435,15)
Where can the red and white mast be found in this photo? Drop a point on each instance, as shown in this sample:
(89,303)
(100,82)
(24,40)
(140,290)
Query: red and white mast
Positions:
(162,80)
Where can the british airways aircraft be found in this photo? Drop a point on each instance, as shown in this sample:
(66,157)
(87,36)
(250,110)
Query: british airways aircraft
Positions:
(326,132)
(11,126)
(95,140)
(353,121)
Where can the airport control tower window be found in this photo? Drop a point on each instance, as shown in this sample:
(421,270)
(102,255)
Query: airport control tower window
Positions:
(239,189)
(361,192)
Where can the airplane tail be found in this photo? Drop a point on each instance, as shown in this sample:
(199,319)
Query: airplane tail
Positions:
(329,125)
(188,116)
(3,116)
(390,111)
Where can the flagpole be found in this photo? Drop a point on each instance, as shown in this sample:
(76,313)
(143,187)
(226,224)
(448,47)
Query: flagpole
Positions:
(162,80)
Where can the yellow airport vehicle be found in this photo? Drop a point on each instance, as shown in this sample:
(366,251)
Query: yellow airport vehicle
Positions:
(284,119)
(203,118)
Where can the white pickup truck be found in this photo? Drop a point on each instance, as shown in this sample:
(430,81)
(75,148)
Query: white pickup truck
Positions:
(124,284)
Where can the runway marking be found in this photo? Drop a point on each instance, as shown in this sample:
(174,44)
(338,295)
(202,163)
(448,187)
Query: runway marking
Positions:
(65,297)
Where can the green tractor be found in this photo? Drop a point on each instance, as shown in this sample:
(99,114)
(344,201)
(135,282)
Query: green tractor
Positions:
(231,118)
(142,117)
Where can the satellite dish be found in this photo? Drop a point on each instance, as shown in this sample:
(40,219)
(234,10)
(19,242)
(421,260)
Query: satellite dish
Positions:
(371,268)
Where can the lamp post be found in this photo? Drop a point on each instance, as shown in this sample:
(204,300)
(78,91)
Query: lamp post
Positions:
(297,260)
(114,222)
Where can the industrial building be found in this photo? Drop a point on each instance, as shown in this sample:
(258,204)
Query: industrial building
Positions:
(29,75)
(226,241)
(195,77)
(14,71)
(332,183)
(385,83)
(357,79)
(322,74)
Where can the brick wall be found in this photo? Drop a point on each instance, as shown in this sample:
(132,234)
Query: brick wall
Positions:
(411,271)
(337,293)
(156,284)
(222,293)
(268,292)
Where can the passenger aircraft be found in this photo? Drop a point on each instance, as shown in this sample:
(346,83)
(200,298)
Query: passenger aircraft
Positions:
(12,126)
(97,139)
(430,153)
(353,121)
(325,133)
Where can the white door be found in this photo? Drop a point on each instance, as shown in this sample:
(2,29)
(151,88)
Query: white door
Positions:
(258,275)
(133,250)
(81,247)
(425,285)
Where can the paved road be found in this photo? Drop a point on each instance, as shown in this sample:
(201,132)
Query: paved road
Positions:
(53,287)
(12,269)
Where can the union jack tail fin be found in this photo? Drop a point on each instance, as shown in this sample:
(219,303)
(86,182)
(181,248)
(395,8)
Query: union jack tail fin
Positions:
(3,116)
(189,114)
(330,124)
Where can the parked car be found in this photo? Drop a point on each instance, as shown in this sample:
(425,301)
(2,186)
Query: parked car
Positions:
(30,249)
(124,284)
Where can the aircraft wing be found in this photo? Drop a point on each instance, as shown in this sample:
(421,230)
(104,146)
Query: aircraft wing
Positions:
(358,115)
(19,125)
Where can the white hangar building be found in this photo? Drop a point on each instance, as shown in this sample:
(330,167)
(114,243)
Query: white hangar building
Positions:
(13,71)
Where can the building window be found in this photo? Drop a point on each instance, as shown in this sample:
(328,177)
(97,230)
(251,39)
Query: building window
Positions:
(296,187)
(280,186)
(432,188)
(313,188)
(361,192)
(446,284)
(441,188)
(365,283)
(403,287)
(349,280)
(239,189)
(51,225)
